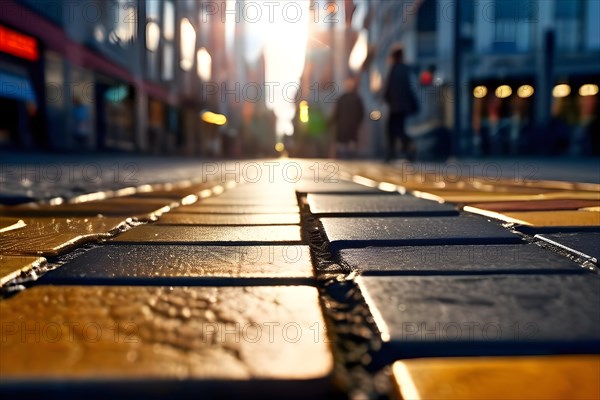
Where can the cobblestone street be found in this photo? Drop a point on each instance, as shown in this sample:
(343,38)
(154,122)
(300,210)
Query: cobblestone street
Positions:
(299,278)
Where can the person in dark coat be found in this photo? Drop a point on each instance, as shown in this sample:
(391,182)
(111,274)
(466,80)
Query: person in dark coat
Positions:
(346,119)
(402,102)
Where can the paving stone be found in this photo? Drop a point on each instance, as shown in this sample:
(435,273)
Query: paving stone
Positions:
(362,232)
(583,244)
(481,197)
(69,335)
(13,266)
(251,201)
(228,219)
(536,205)
(472,259)
(122,206)
(177,264)
(488,315)
(232,209)
(323,204)
(210,234)
(336,187)
(14,198)
(174,193)
(556,218)
(52,236)
(516,378)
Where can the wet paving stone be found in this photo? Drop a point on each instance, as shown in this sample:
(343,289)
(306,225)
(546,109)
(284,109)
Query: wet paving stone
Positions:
(276,201)
(394,231)
(585,244)
(489,315)
(536,205)
(236,209)
(322,204)
(52,236)
(13,266)
(210,234)
(334,187)
(473,259)
(228,219)
(70,335)
(127,207)
(516,378)
(177,264)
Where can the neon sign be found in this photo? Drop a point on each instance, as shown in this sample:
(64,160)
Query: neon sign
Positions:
(18,44)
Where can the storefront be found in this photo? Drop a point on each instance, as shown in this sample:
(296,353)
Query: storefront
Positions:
(22,91)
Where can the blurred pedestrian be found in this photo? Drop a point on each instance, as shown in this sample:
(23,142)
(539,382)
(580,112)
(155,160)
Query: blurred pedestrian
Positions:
(83,123)
(402,102)
(346,119)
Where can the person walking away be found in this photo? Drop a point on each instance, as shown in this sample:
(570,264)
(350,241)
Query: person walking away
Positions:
(83,123)
(347,116)
(402,102)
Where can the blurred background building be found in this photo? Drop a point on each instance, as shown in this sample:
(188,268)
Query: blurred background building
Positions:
(116,75)
(514,77)
(164,77)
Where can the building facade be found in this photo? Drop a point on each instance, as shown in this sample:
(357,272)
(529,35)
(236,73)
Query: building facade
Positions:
(525,79)
(109,75)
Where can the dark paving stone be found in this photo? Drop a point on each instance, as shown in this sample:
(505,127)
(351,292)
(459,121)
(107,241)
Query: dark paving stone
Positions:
(393,231)
(330,205)
(335,187)
(586,244)
(279,234)
(473,259)
(180,264)
(14,198)
(491,315)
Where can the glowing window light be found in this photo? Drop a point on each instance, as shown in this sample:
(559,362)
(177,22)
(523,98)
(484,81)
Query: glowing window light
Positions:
(503,91)
(375,115)
(187,44)
(213,118)
(588,90)
(152,36)
(562,90)
(480,92)
(359,52)
(525,91)
(303,111)
(204,64)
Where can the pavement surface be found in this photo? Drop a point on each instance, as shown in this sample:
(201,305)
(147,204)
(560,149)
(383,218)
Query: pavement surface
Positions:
(153,278)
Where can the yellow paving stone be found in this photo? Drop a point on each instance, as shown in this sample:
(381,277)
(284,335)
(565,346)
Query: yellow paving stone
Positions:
(543,218)
(236,209)
(518,378)
(115,333)
(9,224)
(251,201)
(48,236)
(482,197)
(228,219)
(281,234)
(12,266)
(537,205)
(557,218)
(174,192)
(121,206)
